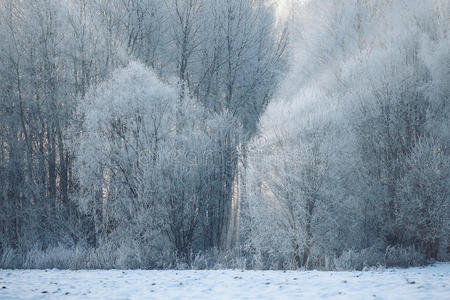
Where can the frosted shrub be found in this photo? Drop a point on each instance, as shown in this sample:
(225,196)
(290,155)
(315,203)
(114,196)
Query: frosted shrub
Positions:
(398,256)
(358,260)
(57,257)
(10,259)
(103,257)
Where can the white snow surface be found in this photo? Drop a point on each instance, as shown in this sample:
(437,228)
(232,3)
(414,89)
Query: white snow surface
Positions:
(432,282)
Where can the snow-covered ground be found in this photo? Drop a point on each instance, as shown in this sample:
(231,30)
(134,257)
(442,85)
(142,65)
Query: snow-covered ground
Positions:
(431,282)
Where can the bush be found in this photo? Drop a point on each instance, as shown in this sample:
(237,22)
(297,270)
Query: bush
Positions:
(10,259)
(358,260)
(398,256)
(103,257)
(395,256)
(57,257)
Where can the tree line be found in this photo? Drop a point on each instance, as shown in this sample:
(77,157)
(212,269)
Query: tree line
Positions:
(121,120)
(351,166)
(189,133)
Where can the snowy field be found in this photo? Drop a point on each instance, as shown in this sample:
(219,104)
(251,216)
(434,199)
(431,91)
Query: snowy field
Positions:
(415,283)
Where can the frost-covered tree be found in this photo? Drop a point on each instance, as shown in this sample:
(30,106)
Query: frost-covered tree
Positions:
(144,181)
(53,53)
(373,77)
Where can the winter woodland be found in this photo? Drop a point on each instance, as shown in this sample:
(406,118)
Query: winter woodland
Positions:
(161,134)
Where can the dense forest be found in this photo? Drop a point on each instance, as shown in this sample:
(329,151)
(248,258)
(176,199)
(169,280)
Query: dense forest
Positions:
(224,133)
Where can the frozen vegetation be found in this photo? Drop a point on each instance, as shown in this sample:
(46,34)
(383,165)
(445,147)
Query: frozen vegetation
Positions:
(209,134)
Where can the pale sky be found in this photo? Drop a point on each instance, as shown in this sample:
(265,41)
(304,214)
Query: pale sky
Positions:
(284,6)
